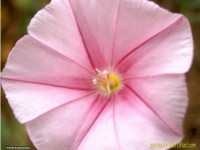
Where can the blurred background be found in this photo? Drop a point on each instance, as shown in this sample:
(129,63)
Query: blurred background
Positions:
(15,17)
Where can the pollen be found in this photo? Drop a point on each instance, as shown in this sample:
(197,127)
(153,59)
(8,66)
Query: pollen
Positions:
(107,82)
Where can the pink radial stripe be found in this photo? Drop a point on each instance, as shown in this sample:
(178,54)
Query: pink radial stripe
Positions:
(159,54)
(115,122)
(136,48)
(136,23)
(56,27)
(92,115)
(46,67)
(165,95)
(133,117)
(80,65)
(29,100)
(155,112)
(115,32)
(124,126)
(77,117)
(98,33)
(47,84)
(102,134)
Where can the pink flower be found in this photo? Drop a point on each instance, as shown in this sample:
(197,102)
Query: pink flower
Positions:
(101,75)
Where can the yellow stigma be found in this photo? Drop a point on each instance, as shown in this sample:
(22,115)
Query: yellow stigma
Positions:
(107,82)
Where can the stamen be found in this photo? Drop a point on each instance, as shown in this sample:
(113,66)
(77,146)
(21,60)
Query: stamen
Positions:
(98,71)
(105,72)
(108,88)
(94,81)
(107,82)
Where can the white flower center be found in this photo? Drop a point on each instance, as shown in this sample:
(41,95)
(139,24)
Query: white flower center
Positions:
(107,82)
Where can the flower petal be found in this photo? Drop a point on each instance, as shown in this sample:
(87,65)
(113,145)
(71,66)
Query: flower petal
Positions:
(96,20)
(56,27)
(138,127)
(166,95)
(170,51)
(32,61)
(67,124)
(30,100)
(101,135)
(130,124)
(138,21)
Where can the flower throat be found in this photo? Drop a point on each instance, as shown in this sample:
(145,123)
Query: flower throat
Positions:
(107,82)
